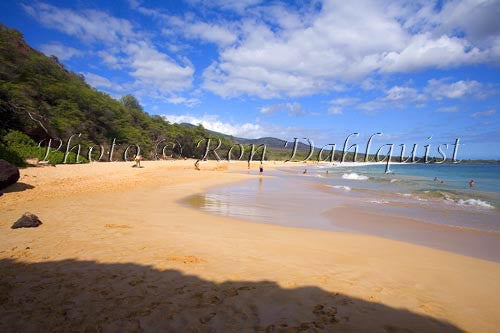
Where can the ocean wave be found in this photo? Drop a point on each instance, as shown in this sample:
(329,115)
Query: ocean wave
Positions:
(347,188)
(451,197)
(475,203)
(340,187)
(354,176)
(379,201)
(384,179)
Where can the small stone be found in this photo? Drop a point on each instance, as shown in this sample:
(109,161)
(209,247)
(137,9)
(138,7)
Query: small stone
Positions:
(28,220)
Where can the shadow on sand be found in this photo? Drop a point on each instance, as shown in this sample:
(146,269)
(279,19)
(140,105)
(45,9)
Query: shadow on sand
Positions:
(17,187)
(87,296)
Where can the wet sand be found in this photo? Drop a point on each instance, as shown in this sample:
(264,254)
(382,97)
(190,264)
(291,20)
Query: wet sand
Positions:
(117,251)
(291,199)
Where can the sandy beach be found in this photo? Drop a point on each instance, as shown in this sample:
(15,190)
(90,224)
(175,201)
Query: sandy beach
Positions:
(118,252)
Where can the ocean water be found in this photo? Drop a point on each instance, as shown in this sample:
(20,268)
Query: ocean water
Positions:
(405,205)
(417,181)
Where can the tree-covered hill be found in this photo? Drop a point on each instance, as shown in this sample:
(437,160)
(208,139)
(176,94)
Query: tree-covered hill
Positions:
(41,98)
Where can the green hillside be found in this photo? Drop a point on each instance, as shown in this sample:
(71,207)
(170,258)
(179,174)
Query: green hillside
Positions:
(41,98)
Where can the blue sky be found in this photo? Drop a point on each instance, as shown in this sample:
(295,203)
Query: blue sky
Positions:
(318,69)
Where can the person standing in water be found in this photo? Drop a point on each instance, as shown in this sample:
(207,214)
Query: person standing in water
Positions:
(471,183)
(261,168)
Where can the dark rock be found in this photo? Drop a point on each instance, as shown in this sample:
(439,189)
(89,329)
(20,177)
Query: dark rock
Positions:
(9,174)
(28,220)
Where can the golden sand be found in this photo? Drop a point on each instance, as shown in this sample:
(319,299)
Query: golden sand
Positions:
(117,252)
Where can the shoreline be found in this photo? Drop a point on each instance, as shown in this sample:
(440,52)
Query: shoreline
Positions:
(281,201)
(127,217)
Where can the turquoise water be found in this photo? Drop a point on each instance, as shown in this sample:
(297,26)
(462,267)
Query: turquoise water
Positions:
(417,180)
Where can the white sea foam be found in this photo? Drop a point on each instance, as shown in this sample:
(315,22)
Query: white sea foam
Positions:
(341,187)
(474,202)
(354,176)
(379,201)
(393,180)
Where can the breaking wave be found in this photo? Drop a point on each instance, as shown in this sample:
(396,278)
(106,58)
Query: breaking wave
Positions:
(340,187)
(450,197)
(474,202)
(354,176)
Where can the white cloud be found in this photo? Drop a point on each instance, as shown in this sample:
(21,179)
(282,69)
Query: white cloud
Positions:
(478,20)
(155,69)
(436,89)
(110,59)
(292,108)
(121,47)
(398,93)
(306,51)
(237,6)
(335,110)
(338,104)
(60,51)
(443,88)
(344,101)
(189,102)
(271,50)
(425,51)
(246,130)
(87,25)
(208,32)
(220,33)
(447,109)
(212,122)
(100,81)
(395,97)
(484,114)
(372,84)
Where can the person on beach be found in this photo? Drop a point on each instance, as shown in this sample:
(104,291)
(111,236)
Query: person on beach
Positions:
(137,160)
(471,183)
(261,169)
(305,171)
(436,179)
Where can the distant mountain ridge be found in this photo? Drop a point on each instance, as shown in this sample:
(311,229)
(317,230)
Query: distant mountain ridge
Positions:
(270,142)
